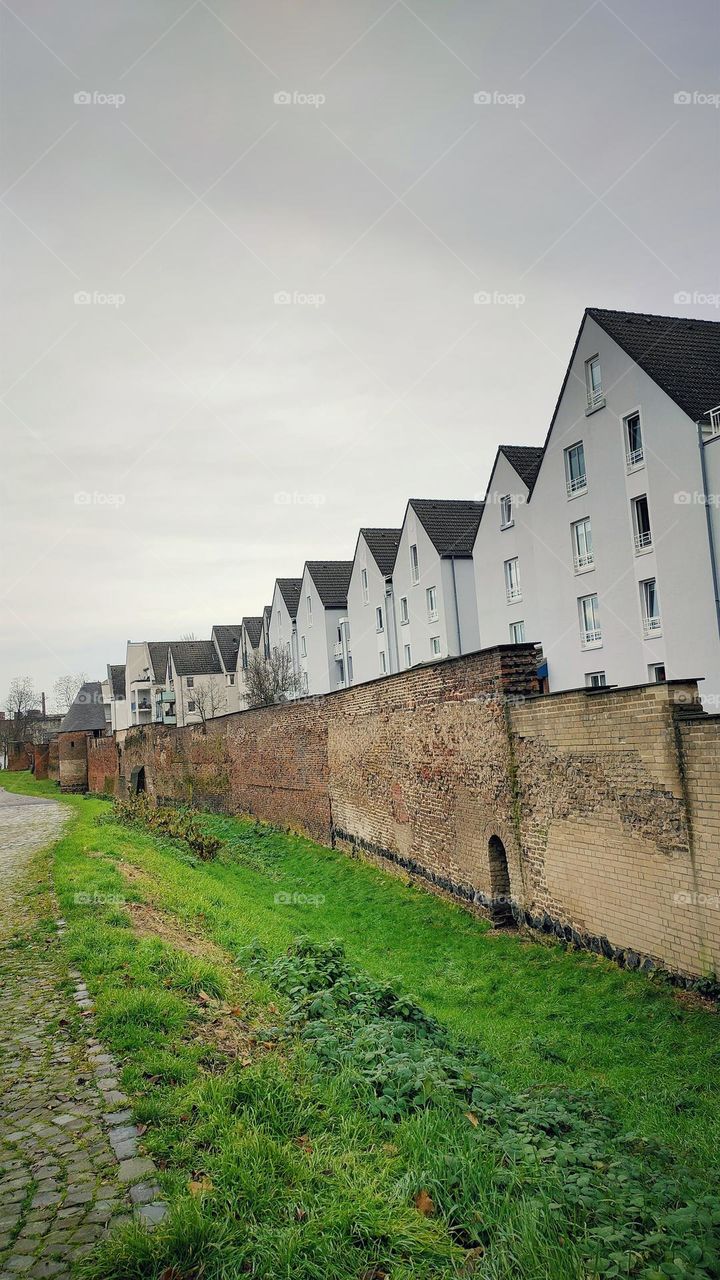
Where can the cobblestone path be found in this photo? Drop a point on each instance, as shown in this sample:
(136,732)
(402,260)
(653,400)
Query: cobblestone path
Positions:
(69,1167)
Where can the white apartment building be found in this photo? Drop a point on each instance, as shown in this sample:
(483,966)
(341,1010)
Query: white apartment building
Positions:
(282,630)
(325,660)
(119,709)
(196,683)
(227,640)
(370,605)
(434,583)
(602,545)
(144,681)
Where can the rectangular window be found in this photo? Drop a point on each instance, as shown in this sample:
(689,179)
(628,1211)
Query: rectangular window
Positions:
(595,680)
(191,706)
(383,662)
(582,545)
(431,598)
(365,587)
(404,615)
(512,580)
(641,523)
(304,682)
(575,473)
(231,679)
(190,682)
(656,672)
(517,632)
(593,382)
(414,564)
(435,646)
(303,647)
(590,633)
(633,440)
(308,602)
(379,619)
(652,622)
(408,656)
(506,512)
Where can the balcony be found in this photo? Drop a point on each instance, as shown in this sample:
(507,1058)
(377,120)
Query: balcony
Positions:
(592,638)
(512,594)
(595,400)
(652,627)
(338,651)
(168,695)
(169,719)
(643,540)
(634,457)
(583,562)
(578,484)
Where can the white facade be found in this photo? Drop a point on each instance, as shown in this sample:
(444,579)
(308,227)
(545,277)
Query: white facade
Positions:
(195,697)
(371,611)
(282,632)
(435,604)
(227,641)
(144,684)
(615,568)
(322,637)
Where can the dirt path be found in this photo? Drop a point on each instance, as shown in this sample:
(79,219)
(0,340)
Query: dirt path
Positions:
(69,1167)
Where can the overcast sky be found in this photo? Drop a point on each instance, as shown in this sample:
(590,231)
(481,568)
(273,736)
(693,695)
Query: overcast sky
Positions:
(175,443)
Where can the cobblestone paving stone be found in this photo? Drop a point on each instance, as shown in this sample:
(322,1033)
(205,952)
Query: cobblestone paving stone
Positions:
(70,1168)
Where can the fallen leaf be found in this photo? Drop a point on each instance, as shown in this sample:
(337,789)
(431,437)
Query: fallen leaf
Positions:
(203,997)
(272,1008)
(373,1273)
(141,1129)
(305,1144)
(472,1259)
(200,1187)
(300,1213)
(170,1273)
(424,1204)
(473,1119)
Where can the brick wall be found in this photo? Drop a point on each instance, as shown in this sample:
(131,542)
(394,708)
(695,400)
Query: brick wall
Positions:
(102,766)
(19,757)
(72,761)
(54,760)
(42,752)
(597,812)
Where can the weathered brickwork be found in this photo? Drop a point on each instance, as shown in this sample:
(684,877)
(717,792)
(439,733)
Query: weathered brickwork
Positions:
(72,761)
(19,756)
(596,812)
(54,761)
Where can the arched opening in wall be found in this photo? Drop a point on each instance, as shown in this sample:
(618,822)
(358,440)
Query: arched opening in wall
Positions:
(501,899)
(137,781)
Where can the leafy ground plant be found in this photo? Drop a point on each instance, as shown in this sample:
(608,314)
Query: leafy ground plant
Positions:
(177,824)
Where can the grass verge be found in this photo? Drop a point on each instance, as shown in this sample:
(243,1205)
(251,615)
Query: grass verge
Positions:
(283,1164)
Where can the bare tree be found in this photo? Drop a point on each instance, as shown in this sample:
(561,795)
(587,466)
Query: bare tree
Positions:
(21,700)
(66,689)
(208,700)
(271,679)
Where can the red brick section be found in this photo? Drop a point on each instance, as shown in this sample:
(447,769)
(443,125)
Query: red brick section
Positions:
(42,754)
(19,756)
(598,813)
(72,761)
(102,766)
(54,761)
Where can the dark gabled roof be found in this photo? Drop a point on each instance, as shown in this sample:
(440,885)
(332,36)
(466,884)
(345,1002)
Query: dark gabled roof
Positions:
(254,627)
(382,545)
(525,459)
(332,579)
(267,614)
(158,658)
(87,711)
(228,642)
(680,354)
(116,676)
(195,658)
(290,592)
(450,524)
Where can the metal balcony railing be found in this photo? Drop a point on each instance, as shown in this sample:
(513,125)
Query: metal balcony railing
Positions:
(643,540)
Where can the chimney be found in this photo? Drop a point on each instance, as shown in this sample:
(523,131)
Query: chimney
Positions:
(42,703)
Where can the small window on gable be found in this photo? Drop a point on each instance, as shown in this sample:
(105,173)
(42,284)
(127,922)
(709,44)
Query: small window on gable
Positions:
(506,511)
(365,587)
(593,382)
(414,564)
(404,614)
(379,626)
(190,682)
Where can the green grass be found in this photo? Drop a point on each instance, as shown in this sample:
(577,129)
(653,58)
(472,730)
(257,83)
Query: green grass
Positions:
(342,1201)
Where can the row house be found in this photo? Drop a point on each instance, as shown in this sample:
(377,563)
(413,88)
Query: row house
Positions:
(602,545)
(324,657)
(227,640)
(196,683)
(282,631)
(370,605)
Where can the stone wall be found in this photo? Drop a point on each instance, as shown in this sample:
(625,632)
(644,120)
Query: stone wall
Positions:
(595,812)
(42,753)
(19,757)
(54,761)
(73,761)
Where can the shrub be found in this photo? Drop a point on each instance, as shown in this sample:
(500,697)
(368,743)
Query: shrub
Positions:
(177,824)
